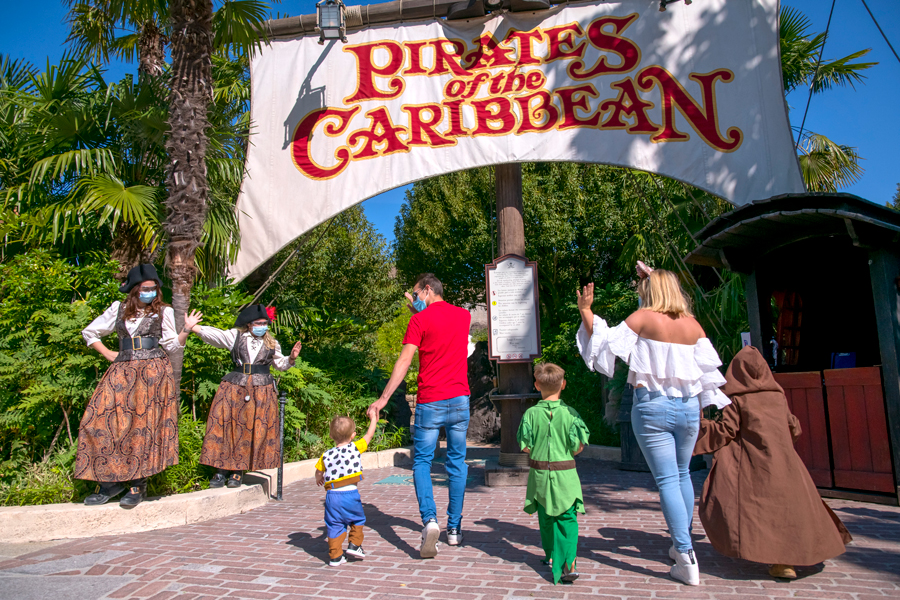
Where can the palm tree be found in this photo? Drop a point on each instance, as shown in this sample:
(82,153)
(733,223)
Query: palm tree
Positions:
(826,165)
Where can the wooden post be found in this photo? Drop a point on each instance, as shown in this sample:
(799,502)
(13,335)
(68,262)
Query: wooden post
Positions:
(514,378)
(884,267)
(759,314)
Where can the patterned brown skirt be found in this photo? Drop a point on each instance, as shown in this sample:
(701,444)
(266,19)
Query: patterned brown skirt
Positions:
(242,435)
(130,426)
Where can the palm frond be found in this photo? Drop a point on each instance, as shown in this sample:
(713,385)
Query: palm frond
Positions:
(827,165)
(237,26)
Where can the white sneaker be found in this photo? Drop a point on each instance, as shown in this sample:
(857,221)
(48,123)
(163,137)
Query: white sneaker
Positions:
(454,536)
(336,562)
(430,535)
(673,553)
(686,569)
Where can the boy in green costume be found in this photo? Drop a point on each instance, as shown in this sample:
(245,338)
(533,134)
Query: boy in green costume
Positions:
(552,433)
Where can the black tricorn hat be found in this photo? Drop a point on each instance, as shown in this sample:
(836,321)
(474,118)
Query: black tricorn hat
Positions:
(252,313)
(139,274)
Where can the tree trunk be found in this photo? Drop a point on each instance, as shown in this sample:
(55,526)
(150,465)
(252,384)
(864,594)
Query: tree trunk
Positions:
(127,249)
(151,50)
(190,96)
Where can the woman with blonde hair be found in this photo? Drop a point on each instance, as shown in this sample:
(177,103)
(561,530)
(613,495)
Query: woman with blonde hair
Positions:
(674,370)
(242,432)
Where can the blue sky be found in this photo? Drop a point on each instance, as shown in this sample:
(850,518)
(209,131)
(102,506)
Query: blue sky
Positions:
(36,31)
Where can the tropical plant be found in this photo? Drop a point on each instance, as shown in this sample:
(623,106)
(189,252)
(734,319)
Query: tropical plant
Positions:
(826,165)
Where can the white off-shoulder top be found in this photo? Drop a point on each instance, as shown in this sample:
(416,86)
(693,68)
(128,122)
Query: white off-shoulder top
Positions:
(676,370)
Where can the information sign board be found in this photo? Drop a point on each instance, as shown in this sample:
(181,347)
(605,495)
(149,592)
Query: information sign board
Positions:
(512,307)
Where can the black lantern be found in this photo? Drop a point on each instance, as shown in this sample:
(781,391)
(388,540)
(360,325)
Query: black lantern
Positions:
(330,21)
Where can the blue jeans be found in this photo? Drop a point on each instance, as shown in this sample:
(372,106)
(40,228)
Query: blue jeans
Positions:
(453,415)
(666,430)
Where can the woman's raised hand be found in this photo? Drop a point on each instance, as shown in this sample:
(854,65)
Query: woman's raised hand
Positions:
(191,320)
(295,352)
(585,297)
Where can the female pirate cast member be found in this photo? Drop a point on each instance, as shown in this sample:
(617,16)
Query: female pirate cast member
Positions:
(242,426)
(129,430)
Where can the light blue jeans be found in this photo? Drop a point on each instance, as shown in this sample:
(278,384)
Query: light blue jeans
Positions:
(452,415)
(666,430)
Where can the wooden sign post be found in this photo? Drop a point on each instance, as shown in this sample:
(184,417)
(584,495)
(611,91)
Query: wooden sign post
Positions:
(515,379)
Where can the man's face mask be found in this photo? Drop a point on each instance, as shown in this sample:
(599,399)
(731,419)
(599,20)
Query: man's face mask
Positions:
(418,303)
(260,330)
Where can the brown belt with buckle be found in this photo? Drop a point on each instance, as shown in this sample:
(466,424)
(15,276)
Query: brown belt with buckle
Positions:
(333,485)
(552,465)
(139,343)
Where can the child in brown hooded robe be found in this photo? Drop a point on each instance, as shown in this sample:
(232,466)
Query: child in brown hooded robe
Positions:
(759,502)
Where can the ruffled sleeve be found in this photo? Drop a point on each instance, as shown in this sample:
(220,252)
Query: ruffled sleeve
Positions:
(711,379)
(102,326)
(600,350)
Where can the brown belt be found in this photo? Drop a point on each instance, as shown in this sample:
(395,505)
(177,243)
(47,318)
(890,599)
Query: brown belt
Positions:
(552,465)
(333,485)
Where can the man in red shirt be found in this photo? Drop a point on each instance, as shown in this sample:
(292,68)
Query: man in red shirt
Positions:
(440,332)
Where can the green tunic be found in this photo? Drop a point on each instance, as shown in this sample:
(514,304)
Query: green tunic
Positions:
(553,431)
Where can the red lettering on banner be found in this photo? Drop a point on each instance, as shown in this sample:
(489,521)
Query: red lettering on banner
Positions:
(420,128)
(575,99)
(515,82)
(496,84)
(446,61)
(454,114)
(561,37)
(489,54)
(627,50)
(415,58)
(545,105)
(704,120)
(629,104)
(526,50)
(475,84)
(367,70)
(381,132)
(484,116)
(303,136)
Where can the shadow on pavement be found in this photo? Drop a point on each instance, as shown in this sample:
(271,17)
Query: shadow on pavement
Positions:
(499,543)
(383,524)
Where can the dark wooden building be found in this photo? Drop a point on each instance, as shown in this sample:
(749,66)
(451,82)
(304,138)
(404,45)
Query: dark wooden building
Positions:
(822,296)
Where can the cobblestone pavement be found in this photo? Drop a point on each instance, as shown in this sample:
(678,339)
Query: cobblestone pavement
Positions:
(278,552)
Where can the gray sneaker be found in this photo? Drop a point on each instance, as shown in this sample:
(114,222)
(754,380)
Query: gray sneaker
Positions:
(454,536)
(430,535)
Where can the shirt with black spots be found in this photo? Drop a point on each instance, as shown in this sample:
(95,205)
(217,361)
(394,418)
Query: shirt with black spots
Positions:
(342,462)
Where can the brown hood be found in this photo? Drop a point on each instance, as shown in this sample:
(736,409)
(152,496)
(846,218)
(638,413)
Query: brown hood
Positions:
(748,373)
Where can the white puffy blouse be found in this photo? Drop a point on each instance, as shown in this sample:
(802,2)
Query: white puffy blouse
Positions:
(676,370)
(105,324)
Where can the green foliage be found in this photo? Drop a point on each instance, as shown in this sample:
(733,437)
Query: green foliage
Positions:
(46,372)
(188,475)
(389,342)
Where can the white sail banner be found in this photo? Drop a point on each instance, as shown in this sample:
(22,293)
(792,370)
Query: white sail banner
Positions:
(693,93)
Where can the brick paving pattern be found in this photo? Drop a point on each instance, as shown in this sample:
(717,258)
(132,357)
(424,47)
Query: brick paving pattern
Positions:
(278,552)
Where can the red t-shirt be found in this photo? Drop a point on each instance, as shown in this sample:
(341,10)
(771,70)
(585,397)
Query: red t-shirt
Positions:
(441,332)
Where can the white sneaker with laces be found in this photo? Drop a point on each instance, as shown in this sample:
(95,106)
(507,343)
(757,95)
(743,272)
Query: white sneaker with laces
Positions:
(686,569)
(430,535)
(454,536)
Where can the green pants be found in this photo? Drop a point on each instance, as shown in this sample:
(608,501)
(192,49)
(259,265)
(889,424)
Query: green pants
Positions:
(559,537)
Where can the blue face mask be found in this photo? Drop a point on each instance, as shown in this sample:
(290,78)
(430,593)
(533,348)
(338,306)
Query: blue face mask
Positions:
(260,330)
(418,303)
(146,297)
